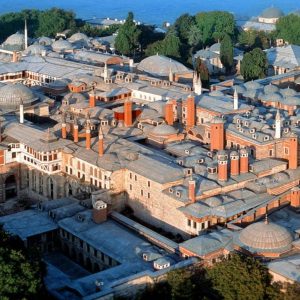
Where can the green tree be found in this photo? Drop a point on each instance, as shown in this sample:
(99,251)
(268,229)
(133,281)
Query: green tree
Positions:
(195,37)
(201,69)
(214,25)
(127,40)
(149,35)
(254,64)
(53,21)
(251,39)
(292,291)
(183,26)
(181,285)
(238,278)
(288,28)
(169,46)
(21,271)
(226,52)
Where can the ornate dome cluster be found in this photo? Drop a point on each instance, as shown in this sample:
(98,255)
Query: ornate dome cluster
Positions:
(11,96)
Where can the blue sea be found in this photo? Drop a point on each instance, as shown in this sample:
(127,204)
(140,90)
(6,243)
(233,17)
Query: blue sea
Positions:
(151,11)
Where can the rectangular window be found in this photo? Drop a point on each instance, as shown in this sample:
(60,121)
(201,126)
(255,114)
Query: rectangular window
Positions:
(271,152)
(148,195)
(142,192)
(195,225)
(130,175)
(130,187)
(149,183)
(286,151)
(189,222)
(135,177)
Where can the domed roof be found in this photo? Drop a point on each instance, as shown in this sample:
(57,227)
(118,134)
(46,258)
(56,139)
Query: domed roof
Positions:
(61,45)
(11,96)
(288,92)
(215,47)
(164,130)
(45,41)
(271,97)
(78,37)
(75,98)
(271,89)
(213,201)
(239,88)
(271,13)
(216,94)
(292,100)
(252,85)
(159,65)
(265,236)
(15,39)
(35,50)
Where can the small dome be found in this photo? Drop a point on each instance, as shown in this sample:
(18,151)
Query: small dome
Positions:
(61,45)
(239,88)
(159,65)
(35,50)
(265,236)
(78,37)
(11,96)
(213,202)
(292,100)
(275,97)
(271,89)
(75,98)
(164,130)
(45,41)
(272,13)
(288,92)
(234,153)
(252,85)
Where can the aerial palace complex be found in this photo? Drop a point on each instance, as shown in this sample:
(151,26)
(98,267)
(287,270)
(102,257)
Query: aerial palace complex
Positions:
(134,169)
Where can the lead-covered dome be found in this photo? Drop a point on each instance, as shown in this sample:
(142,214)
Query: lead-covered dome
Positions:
(61,45)
(164,130)
(266,237)
(15,42)
(11,96)
(272,13)
(78,37)
(159,65)
(35,49)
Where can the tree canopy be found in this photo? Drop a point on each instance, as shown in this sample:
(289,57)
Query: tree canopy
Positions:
(21,271)
(127,40)
(201,69)
(254,65)
(288,28)
(226,52)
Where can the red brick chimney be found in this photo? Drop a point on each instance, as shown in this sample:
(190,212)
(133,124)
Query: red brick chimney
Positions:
(222,166)
(128,113)
(92,100)
(169,113)
(88,137)
(15,57)
(244,161)
(295,197)
(190,107)
(192,190)
(293,153)
(99,212)
(217,134)
(101,142)
(234,163)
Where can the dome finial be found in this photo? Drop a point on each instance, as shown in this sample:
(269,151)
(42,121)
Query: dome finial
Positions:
(266,219)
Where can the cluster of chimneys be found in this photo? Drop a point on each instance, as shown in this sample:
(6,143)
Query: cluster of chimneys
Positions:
(75,132)
(239,164)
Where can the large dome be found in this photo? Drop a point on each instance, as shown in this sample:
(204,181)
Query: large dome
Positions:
(272,13)
(266,237)
(61,45)
(159,65)
(11,96)
(35,50)
(78,37)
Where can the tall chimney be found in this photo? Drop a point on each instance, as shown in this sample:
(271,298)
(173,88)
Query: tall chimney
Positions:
(75,132)
(21,112)
(234,163)
(15,57)
(169,113)
(217,134)
(128,113)
(190,106)
(101,142)
(192,190)
(222,166)
(92,100)
(244,161)
(88,137)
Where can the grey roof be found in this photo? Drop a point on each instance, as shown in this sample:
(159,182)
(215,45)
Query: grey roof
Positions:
(156,169)
(28,223)
(286,57)
(255,25)
(159,65)
(272,12)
